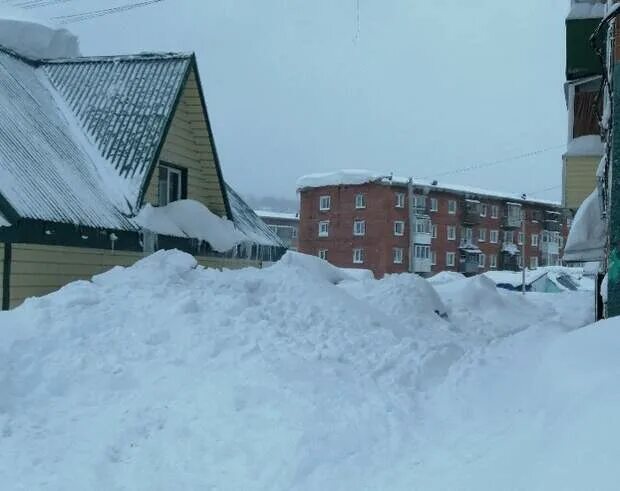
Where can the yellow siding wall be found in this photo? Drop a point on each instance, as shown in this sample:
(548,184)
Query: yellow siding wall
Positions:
(189,145)
(37,270)
(579,179)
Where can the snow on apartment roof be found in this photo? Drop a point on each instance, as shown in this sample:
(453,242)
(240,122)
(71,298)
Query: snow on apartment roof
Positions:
(277,214)
(586,10)
(78,137)
(586,146)
(249,222)
(359,176)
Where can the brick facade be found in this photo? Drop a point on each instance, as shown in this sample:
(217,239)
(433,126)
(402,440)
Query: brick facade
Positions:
(380,213)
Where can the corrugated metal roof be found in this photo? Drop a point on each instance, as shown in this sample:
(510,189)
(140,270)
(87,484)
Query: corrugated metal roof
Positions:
(249,222)
(44,172)
(123,104)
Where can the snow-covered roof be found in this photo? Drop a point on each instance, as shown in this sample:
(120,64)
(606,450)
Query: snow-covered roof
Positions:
(277,214)
(586,146)
(586,9)
(79,137)
(249,222)
(353,177)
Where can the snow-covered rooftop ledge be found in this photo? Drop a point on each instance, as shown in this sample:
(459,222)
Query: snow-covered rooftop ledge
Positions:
(585,146)
(3,221)
(587,10)
(355,177)
(190,219)
(277,214)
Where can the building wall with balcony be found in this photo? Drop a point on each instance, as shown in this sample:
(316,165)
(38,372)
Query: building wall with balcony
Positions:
(450,212)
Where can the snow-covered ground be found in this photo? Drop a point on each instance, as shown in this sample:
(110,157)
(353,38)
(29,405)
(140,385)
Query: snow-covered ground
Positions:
(297,377)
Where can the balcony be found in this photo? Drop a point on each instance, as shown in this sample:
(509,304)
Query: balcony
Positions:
(469,259)
(422,265)
(422,234)
(471,212)
(513,217)
(581,60)
(553,226)
(550,248)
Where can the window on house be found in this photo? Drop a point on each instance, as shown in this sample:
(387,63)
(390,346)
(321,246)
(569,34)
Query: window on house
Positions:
(493,261)
(397,254)
(400,200)
(325,203)
(294,233)
(482,260)
(324,229)
(434,204)
(422,252)
(467,235)
(423,226)
(360,201)
(521,238)
(482,234)
(494,211)
(533,262)
(451,232)
(358,256)
(534,240)
(493,236)
(483,210)
(323,254)
(509,236)
(172,184)
(434,231)
(433,258)
(359,227)
(452,207)
(399,228)
(450,259)
(420,202)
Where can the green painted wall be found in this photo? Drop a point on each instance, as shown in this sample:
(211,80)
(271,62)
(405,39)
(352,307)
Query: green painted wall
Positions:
(581,61)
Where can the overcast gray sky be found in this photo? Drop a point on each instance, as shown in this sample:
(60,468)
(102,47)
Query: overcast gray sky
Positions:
(426,87)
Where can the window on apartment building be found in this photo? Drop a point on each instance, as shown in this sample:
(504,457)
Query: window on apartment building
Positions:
(323,254)
(422,252)
(358,256)
(399,228)
(450,259)
(533,262)
(494,211)
(561,242)
(324,228)
(483,210)
(433,258)
(420,202)
(360,201)
(521,238)
(434,204)
(493,261)
(534,240)
(509,236)
(452,207)
(294,233)
(434,231)
(482,260)
(467,235)
(493,236)
(423,226)
(172,184)
(451,232)
(359,227)
(397,255)
(482,234)
(400,200)
(325,203)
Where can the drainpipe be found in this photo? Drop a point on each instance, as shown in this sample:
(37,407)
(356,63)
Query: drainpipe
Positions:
(412,225)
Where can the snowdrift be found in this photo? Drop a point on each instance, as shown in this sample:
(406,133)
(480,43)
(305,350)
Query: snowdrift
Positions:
(166,375)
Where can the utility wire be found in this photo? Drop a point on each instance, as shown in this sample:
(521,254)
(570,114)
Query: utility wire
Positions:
(493,163)
(83,16)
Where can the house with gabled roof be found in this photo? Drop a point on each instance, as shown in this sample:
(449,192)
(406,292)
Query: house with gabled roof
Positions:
(105,159)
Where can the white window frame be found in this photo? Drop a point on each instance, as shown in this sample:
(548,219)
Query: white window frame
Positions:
(534,240)
(494,233)
(397,255)
(325,202)
(482,235)
(400,200)
(494,211)
(324,233)
(422,252)
(433,231)
(360,201)
(451,207)
(451,228)
(520,238)
(533,262)
(433,258)
(450,259)
(493,261)
(398,223)
(358,255)
(509,237)
(483,209)
(482,260)
(164,194)
(322,254)
(434,204)
(359,228)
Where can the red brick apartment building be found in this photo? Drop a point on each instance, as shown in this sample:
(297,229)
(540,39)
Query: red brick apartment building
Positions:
(358,220)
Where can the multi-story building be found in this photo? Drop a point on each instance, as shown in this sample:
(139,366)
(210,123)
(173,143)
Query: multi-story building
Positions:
(284,225)
(359,219)
(584,71)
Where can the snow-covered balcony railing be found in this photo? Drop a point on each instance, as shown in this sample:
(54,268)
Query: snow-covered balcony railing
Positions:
(422,259)
(471,212)
(512,216)
(550,242)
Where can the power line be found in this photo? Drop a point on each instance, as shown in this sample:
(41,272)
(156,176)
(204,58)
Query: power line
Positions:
(493,163)
(83,16)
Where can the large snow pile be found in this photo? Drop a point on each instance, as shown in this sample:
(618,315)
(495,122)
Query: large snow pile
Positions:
(169,376)
(588,234)
(35,38)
